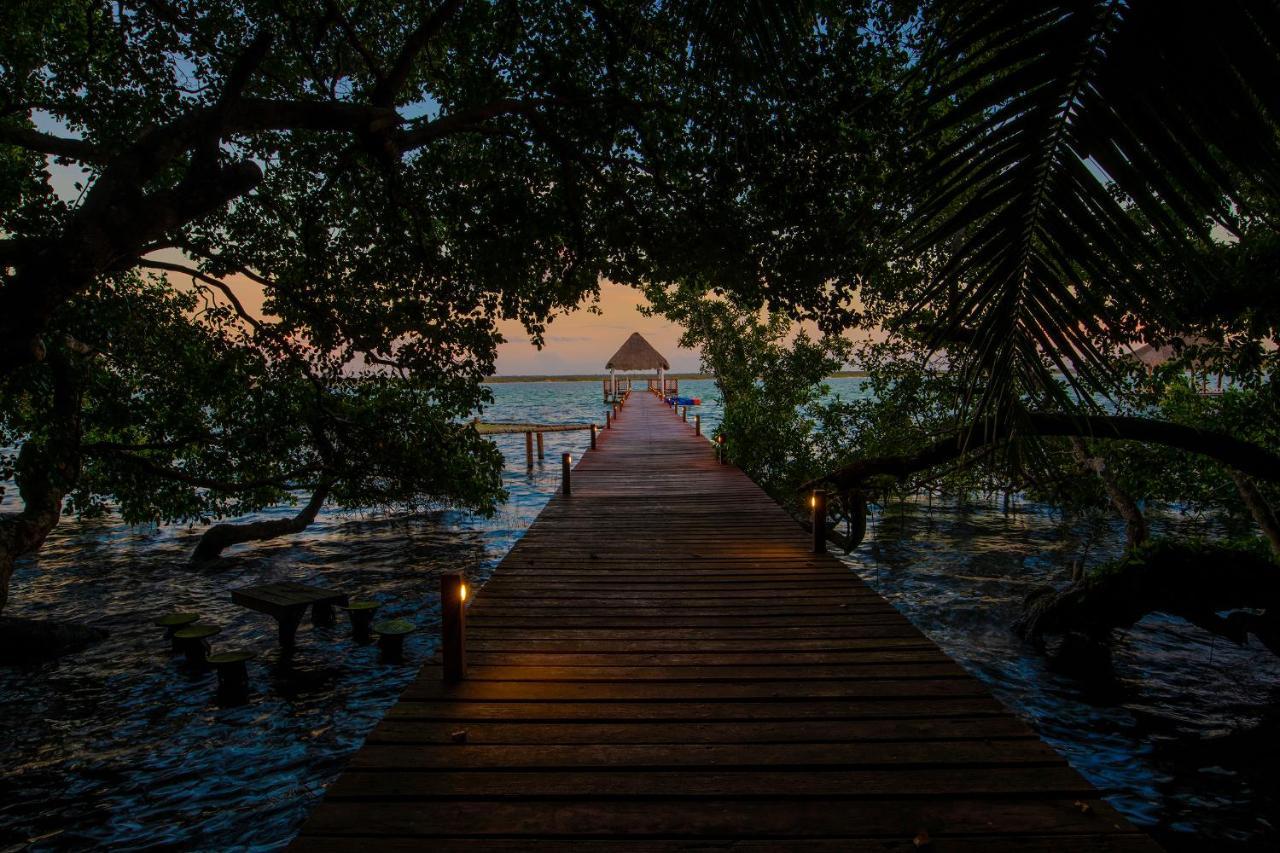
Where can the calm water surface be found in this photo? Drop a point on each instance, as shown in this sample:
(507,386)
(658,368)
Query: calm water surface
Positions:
(117,746)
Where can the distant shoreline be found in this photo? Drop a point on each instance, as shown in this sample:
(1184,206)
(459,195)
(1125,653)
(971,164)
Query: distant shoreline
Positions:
(598,377)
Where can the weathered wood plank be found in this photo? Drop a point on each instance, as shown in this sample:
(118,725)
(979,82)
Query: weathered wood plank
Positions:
(401,730)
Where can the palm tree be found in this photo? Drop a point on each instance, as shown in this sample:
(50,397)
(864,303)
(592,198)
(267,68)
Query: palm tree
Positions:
(1073,137)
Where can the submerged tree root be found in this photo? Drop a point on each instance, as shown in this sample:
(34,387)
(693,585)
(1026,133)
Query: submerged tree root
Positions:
(1195,581)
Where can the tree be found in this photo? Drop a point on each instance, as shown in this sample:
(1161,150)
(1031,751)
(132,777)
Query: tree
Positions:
(392,179)
(770,378)
(185,415)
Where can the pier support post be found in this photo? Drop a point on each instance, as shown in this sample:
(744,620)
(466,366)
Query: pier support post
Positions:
(593,436)
(540,456)
(684,413)
(697,424)
(818,506)
(608,420)
(453,626)
(566,466)
(528,449)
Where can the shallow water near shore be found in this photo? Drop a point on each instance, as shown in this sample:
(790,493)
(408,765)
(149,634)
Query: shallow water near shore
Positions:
(120,746)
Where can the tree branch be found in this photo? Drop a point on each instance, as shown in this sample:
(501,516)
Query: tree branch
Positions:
(1240,455)
(222,286)
(164,472)
(47,143)
(353,39)
(389,87)
(222,536)
(468,119)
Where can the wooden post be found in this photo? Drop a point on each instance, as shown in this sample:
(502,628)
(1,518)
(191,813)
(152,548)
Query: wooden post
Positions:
(566,466)
(593,436)
(453,626)
(540,456)
(720,451)
(697,424)
(684,413)
(608,420)
(528,449)
(818,504)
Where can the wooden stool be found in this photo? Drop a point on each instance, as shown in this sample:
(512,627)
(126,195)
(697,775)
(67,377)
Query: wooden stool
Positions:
(171,622)
(193,641)
(233,675)
(391,634)
(361,613)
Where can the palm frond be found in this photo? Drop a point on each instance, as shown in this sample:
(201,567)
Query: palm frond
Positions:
(1063,120)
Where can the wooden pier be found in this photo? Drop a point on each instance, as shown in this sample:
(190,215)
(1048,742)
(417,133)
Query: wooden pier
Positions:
(662,663)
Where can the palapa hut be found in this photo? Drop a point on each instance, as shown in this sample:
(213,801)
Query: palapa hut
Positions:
(636,354)
(1152,357)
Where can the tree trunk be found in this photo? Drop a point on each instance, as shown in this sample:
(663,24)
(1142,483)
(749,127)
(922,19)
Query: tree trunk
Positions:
(1135,523)
(1196,582)
(47,468)
(1259,508)
(222,536)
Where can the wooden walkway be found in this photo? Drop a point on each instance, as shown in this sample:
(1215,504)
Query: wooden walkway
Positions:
(661,664)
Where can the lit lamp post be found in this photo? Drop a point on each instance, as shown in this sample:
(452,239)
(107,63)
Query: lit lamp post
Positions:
(818,508)
(720,449)
(453,626)
(566,465)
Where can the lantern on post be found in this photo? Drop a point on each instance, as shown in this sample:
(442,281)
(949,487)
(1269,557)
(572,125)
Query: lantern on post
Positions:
(453,626)
(818,514)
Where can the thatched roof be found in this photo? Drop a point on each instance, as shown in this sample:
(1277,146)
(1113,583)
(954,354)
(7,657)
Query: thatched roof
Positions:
(637,354)
(1155,356)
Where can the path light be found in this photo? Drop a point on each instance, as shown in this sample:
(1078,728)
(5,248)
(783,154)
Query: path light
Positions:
(566,465)
(697,424)
(453,626)
(818,507)
(720,449)
(593,436)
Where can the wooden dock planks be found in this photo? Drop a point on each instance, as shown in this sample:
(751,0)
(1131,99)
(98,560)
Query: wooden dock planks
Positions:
(661,664)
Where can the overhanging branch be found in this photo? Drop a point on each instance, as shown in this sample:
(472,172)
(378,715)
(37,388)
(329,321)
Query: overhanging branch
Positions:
(1240,455)
(47,143)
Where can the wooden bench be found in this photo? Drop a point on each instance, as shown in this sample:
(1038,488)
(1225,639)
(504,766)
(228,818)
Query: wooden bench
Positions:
(286,601)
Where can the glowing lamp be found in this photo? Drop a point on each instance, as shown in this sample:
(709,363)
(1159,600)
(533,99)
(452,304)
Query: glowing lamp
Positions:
(453,627)
(818,505)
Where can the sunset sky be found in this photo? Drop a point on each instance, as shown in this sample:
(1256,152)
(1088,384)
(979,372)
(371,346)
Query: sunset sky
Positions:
(582,342)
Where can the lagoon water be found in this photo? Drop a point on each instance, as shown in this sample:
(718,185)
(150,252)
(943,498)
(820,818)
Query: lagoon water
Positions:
(118,746)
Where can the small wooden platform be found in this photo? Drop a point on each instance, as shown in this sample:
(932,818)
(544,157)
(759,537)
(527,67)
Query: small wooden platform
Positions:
(661,664)
(286,601)
(494,428)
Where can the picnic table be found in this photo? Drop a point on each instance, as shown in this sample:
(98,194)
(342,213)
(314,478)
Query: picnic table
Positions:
(286,601)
